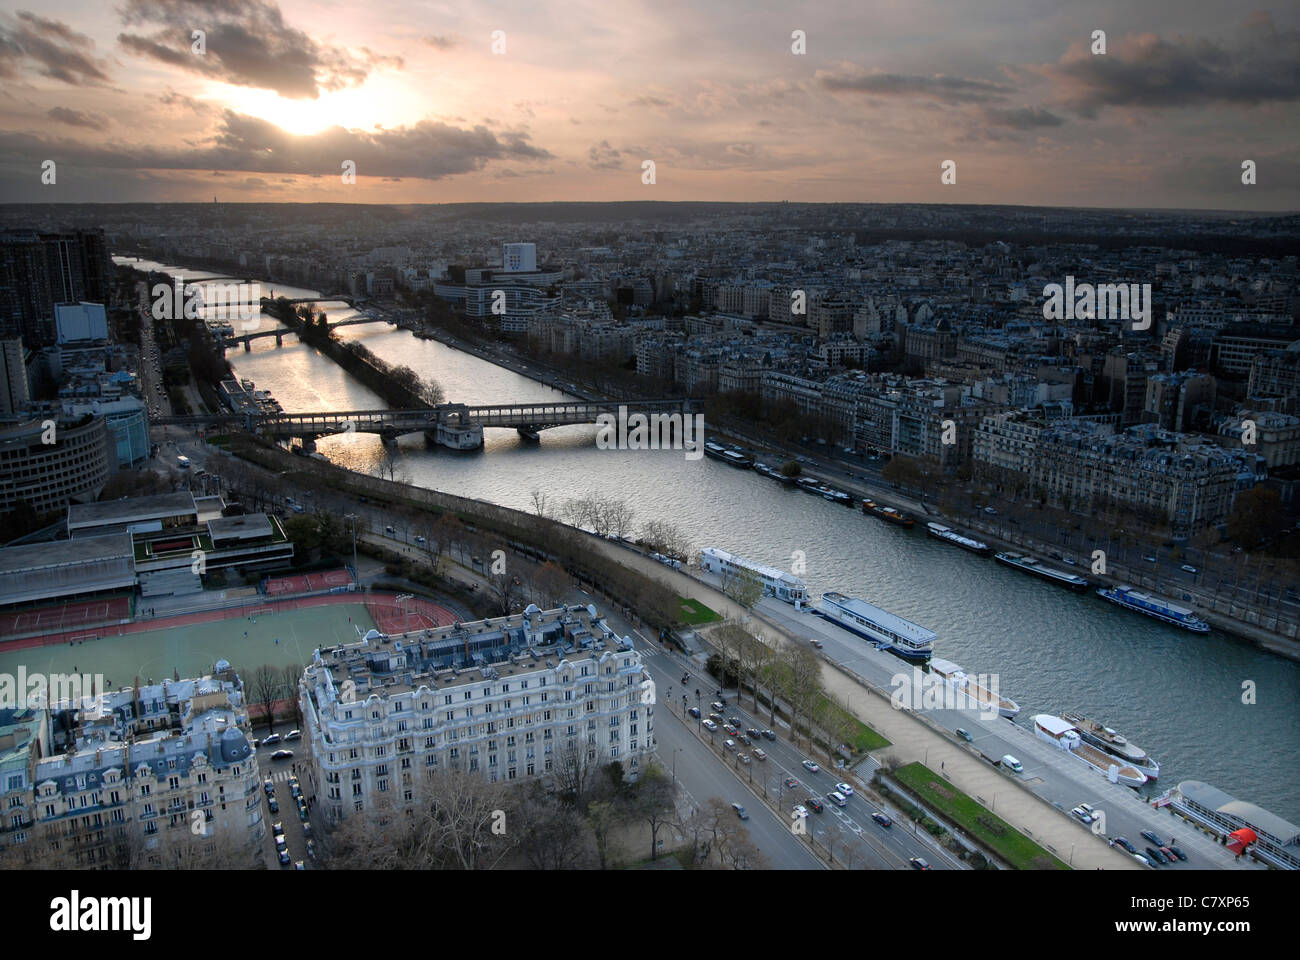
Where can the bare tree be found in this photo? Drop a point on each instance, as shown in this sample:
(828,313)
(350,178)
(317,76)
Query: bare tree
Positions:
(266,687)
(553,835)
(654,802)
(744,587)
(666,538)
(540,503)
(603,816)
(551,583)
(290,674)
(574,772)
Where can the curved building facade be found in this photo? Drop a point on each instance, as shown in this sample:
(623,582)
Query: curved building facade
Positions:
(49,476)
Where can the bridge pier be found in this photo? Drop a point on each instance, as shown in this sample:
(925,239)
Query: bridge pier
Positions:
(529,433)
(247,347)
(279,339)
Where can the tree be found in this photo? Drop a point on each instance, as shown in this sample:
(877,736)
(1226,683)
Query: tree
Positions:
(540,501)
(551,583)
(654,801)
(266,687)
(666,538)
(290,674)
(603,816)
(791,468)
(1256,515)
(552,834)
(744,587)
(574,772)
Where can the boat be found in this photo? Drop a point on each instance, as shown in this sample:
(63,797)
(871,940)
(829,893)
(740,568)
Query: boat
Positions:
(1154,606)
(887,630)
(773,474)
(1105,738)
(837,496)
(714,450)
(776,582)
(1060,732)
(980,689)
(809,485)
(887,513)
(1034,566)
(949,535)
(732,455)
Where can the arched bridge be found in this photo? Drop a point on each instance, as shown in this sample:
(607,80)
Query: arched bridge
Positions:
(281,332)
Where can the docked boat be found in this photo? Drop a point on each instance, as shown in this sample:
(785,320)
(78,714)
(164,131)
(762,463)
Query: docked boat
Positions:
(887,630)
(809,485)
(1034,566)
(980,690)
(887,513)
(1060,732)
(949,535)
(1154,606)
(773,474)
(776,582)
(731,455)
(1106,739)
(714,449)
(837,496)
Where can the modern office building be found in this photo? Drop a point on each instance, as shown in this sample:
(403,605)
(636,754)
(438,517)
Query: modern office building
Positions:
(511,698)
(72,468)
(15,392)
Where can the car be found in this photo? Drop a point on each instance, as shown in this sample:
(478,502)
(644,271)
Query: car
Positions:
(1069,560)
(964,734)
(694,712)
(810,766)
(1142,860)
(311,849)
(837,798)
(419,540)
(1152,836)
(729,744)
(1189,568)
(685,678)
(298,865)
(273,738)
(815,642)
(989,510)
(293,735)
(918,863)
(1088,809)
(293,785)
(1177,853)
(1081,815)
(718,706)
(389,530)
(302,812)
(282,755)
(790,783)
(741,812)
(268,786)
(743,757)
(277,828)
(1154,854)
(1168,852)
(754,733)
(734,721)
(745,740)
(760,753)
(769,735)
(306,828)
(881,819)
(1011,763)
(717,718)
(813,804)
(710,725)
(284,858)
(1150,559)
(729,730)
(272,804)
(1123,842)
(800,812)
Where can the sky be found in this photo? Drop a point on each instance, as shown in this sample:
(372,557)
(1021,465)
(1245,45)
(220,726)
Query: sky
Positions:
(827,101)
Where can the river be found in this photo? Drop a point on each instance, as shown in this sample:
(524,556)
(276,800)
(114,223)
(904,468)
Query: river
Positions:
(1176,694)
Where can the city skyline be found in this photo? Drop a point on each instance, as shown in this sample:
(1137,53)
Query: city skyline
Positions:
(433,105)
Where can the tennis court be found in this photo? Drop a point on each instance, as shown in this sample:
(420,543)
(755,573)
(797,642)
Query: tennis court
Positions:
(191,649)
(307,583)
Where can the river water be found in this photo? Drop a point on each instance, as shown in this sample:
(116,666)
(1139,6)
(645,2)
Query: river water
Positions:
(1176,694)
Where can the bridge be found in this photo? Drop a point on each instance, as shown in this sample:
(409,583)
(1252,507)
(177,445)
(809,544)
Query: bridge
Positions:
(280,332)
(456,425)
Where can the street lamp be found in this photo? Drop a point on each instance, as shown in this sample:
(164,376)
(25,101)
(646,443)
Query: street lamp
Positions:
(356,575)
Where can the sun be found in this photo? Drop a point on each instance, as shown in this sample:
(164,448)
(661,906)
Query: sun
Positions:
(379,103)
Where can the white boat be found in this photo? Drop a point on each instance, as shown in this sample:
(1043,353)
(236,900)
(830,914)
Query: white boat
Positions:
(980,689)
(1063,734)
(776,582)
(949,535)
(1106,739)
(888,630)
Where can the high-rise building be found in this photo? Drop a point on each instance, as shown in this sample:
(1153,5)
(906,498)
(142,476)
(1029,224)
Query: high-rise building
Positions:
(38,271)
(519,258)
(14,389)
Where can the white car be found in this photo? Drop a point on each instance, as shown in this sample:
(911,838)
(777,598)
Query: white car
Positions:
(709,725)
(810,766)
(801,812)
(845,789)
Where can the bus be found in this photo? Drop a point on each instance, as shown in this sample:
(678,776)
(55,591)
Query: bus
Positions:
(183,462)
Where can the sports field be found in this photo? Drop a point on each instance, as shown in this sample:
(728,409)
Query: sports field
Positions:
(192,649)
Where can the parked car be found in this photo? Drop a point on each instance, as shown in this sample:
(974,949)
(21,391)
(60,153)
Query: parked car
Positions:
(964,734)
(881,819)
(389,530)
(1088,809)
(268,786)
(273,738)
(284,858)
(280,842)
(277,829)
(1152,836)
(299,865)
(293,735)
(1126,845)
(1189,568)
(743,758)
(272,804)
(1142,860)
(810,766)
(740,811)
(282,755)
(1178,853)
(716,718)
(1154,854)
(1081,815)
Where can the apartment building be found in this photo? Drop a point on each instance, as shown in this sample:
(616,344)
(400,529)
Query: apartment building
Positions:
(72,468)
(138,770)
(510,698)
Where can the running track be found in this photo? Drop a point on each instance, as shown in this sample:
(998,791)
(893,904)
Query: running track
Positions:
(207,616)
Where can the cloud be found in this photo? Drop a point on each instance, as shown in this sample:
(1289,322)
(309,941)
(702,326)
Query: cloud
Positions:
(1020,118)
(936,87)
(247,43)
(50,48)
(76,118)
(602,156)
(1144,70)
(427,150)
(441,43)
